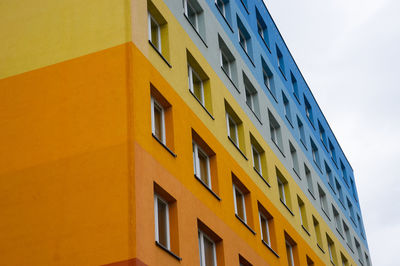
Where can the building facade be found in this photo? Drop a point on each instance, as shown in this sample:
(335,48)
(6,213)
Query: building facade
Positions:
(165,132)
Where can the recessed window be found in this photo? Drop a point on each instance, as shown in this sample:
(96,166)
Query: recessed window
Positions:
(242,201)
(345,262)
(323,201)
(331,250)
(338,221)
(291,250)
(201,164)
(286,109)
(315,153)
(359,252)
(161,213)
(194,13)
(322,134)
(295,86)
(262,28)
(317,230)
(196,85)
(234,127)
(157,31)
(157,120)
(227,61)
(256,159)
(330,176)
(244,38)
(351,210)
(275,130)
(208,254)
(310,185)
(281,63)
(154,32)
(251,96)
(340,191)
(308,110)
(360,225)
(224,9)
(243,261)
(295,160)
(264,227)
(268,78)
(367,259)
(303,213)
(309,261)
(332,151)
(301,131)
(283,187)
(240,207)
(347,234)
(344,174)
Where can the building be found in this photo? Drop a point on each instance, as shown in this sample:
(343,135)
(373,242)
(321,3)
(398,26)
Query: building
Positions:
(164,132)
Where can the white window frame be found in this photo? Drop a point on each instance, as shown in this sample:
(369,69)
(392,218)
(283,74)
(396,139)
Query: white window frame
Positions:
(281,187)
(235,188)
(151,18)
(241,35)
(261,215)
(196,17)
(330,252)
(274,134)
(201,249)
(154,104)
(229,118)
(196,162)
(222,54)
(290,250)
(192,73)
(267,81)
(223,7)
(255,151)
(301,215)
(156,199)
(250,103)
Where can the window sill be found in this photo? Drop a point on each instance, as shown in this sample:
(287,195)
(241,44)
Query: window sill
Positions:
(290,122)
(283,74)
(298,175)
(254,114)
(233,83)
(195,30)
(305,229)
(272,94)
(165,147)
(202,105)
(248,56)
(297,98)
(320,248)
(326,214)
(158,52)
(265,42)
(234,144)
(270,248)
(209,189)
(245,224)
(284,204)
(245,8)
(168,251)
(279,148)
(260,175)
(219,10)
(312,194)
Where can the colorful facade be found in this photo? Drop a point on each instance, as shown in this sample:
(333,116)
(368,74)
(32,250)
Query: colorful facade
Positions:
(165,132)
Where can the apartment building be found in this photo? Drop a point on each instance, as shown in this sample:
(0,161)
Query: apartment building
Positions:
(165,132)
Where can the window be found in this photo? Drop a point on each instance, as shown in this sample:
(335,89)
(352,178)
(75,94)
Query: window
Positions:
(240,206)
(348,236)
(351,210)
(303,214)
(294,86)
(353,189)
(344,174)
(204,163)
(340,191)
(199,83)
(243,261)
(262,28)
(268,79)
(275,130)
(345,262)
(210,246)
(291,250)
(301,131)
(256,159)
(244,38)
(165,216)
(330,176)
(332,152)
(338,221)
(194,14)
(157,120)
(283,187)
(317,232)
(235,128)
(227,61)
(242,201)
(161,214)
(208,256)
(309,180)
(322,134)
(264,227)
(359,252)
(232,129)
(251,96)
(367,259)
(157,31)
(331,250)
(308,110)
(323,201)
(309,261)
(286,109)
(315,153)
(295,160)
(281,63)
(360,225)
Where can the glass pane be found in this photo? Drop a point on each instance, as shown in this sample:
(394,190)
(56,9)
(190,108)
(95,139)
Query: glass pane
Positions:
(162,223)
(209,252)
(225,64)
(198,88)
(154,34)
(158,122)
(232,131)
(203,168)
(191,12)
(264,229)
(239,204)
(248,100)
(289,254)
(257,163)
(220,4)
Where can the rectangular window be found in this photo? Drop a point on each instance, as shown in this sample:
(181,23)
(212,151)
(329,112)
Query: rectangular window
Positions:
(340,191)
(344,174)
(347,233)
(286,109)
(289,253)
(158,121)
(227,61)
(242,201)
(332,152)
(360,225)
(331,250)
(330,176)
(201,164)
(291,250)
(251,96)
(281,63)
(266,227)
(309,261)
(310,185)
(301,131)
(308,110)
(194,14)
(315,153)
(295,160)
(351,210)
(294,86)
(303,214)
(367,259)
(262,28)
(275,130)
(157,31)
(161,214)
(243,261)
(256,160)
(208,256)
(338,221)
(323,200)
(240,206)
(322,134)
(317,232)
(268,79)
(244,38)
(234,128)
(283,187)
(196,85)
(259,160)
(359,252)
(345,262)
(154,32)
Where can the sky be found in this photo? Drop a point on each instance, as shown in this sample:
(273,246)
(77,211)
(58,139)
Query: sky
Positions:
(349,54)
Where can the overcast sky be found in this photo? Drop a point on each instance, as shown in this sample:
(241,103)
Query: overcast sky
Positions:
(348,52)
